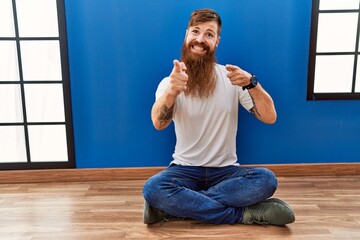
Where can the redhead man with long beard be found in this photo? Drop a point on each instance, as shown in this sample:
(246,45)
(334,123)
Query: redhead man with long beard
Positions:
(204,181)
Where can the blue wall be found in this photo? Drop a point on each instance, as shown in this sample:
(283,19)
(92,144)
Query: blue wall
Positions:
(119,50)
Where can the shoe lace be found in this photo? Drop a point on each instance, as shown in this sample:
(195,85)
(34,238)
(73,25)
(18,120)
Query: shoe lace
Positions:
(258,216)
(169,218)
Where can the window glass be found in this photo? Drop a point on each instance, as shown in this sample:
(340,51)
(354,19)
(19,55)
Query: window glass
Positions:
(338,4)
(37,18)
(48,143)
(44,103)
(41,60)
(12,144)
(337,32)
(10,103)
(357,85)
(333,74)
(6,19)
(8,61)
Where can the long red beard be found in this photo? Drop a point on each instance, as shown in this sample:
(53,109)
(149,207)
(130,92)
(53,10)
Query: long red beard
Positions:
(201,71)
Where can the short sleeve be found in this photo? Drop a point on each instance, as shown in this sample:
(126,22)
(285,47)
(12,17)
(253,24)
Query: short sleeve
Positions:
(163,85)
(245,99)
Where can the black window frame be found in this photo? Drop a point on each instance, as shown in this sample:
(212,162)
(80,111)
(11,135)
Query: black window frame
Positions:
(62,38)
(312,57)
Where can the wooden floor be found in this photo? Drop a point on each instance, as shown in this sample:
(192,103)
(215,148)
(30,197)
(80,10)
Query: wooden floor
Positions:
(325,208)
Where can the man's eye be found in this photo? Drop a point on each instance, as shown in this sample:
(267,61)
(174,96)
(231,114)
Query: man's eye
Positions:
(195,31)
(209,35)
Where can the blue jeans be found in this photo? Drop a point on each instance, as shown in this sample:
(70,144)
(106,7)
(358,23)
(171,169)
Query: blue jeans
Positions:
(209,194)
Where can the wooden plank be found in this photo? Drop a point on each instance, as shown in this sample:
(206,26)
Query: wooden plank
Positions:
(315,169)
(112,174)
(114,210)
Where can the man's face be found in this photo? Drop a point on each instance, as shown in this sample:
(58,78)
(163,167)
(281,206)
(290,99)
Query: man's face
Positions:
(202,38)
(198,54)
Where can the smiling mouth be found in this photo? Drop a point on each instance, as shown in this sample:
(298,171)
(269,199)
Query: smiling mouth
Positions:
(199,49)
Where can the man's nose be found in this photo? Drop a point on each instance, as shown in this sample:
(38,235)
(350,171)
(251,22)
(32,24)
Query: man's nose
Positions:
(200,39)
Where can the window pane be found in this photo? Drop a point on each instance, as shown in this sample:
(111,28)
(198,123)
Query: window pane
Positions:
(338,4)
(37,18)
(337,32)
(41,60)
(12,144)
(10,103)
(48,143)
(44,103)
(357,84)
(6,19)
(8,61)
(333,74)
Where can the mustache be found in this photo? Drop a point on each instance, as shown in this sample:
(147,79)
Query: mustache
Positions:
(196,43)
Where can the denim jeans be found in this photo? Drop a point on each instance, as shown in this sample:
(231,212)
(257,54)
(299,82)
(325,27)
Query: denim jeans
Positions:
(209,194)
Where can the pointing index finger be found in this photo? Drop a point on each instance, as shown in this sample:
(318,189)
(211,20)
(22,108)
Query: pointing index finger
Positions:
(230,67)
(179,66)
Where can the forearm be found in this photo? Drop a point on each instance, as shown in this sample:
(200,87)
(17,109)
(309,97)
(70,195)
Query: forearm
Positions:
(162,111)
(264,108)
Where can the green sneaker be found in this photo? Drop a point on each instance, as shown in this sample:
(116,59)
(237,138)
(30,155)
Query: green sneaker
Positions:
(271,211)
(153,215)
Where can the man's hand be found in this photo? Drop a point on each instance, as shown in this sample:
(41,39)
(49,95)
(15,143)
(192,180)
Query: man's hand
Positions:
(178,79)
(237,76)
(163,109)
(263,108)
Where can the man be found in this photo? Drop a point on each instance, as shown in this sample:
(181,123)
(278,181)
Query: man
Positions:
(204,181)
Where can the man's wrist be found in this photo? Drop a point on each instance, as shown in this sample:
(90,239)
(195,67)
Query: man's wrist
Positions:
(253,83)
(171,94)
(169,98)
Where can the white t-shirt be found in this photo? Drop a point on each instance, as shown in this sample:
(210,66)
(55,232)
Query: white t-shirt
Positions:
(206,128)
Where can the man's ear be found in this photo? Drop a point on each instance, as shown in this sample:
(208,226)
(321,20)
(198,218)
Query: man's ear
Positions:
(186,33)
(217,41)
